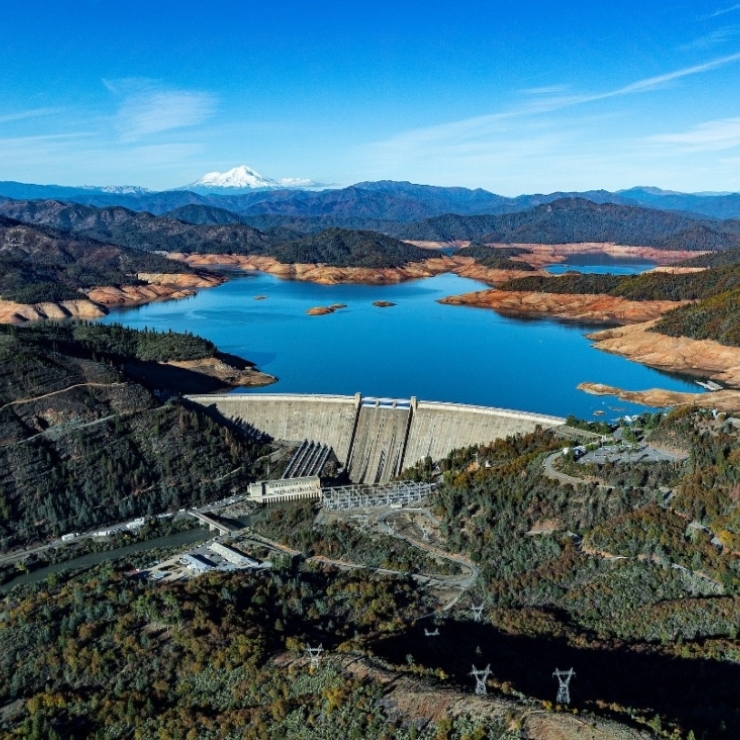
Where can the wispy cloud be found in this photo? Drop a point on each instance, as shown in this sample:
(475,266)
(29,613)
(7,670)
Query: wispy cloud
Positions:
(718,135)
(715,38)
(26,114)
(723,11)
(549,90)
(147,107)
(422,141)
(650,83)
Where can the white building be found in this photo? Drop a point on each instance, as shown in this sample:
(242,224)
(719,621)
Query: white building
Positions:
(287,489)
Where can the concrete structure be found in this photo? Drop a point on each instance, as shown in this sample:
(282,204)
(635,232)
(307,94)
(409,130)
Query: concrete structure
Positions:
(213,524)
(197,563)
(293,417)
(309,459)
(380,440)
(233,555)
(285,489)
(374,438)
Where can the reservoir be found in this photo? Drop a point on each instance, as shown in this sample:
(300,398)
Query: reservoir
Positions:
(416,348)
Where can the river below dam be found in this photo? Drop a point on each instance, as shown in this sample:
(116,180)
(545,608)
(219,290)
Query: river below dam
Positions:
(417,347)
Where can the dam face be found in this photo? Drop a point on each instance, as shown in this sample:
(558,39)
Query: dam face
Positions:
(374,438)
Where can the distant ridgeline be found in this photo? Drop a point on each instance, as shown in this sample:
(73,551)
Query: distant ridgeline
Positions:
(374,438)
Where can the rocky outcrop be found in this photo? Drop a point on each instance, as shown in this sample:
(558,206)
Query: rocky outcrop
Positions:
(724,400)
(702,357)
(599,309)
(548,254)
(324,310)
(328,275)
(160,286)
(20,313)
(231,371)
(541,255)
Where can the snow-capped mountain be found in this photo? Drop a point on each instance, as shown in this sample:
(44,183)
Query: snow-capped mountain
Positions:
(244,178)
(117,189)
(241,178)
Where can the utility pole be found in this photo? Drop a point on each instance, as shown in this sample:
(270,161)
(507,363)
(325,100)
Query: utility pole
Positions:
(314,654)
(477,610)
(480,679)
(429,633)
(564,678)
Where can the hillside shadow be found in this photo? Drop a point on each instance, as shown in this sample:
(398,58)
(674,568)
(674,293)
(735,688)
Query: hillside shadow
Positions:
(700,694)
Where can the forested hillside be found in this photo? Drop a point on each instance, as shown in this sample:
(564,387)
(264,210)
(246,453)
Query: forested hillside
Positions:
(39,263)
(82,443)
(647,286)
(141,231)
(628,574)
(574,220)
(497,259)
(345,248)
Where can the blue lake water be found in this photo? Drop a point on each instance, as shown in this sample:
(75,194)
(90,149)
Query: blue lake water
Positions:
(615,267)
(416,348)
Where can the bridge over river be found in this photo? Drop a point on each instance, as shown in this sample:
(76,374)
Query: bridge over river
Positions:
(374,438)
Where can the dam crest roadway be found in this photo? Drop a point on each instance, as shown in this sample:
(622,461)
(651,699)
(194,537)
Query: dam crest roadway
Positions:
(374,438)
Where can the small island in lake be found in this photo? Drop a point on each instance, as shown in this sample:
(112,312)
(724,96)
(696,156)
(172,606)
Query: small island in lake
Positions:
(323,310)
(383,304)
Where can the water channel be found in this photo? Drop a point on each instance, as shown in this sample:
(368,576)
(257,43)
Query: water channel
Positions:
(185,537)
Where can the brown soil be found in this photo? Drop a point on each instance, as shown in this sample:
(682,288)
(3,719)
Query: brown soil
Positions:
(327,275)
(676,354)
(19,313)
(725,400)
(160,287)
(383,304)
(574,307)
(208,375)
(542,255)
(320,310)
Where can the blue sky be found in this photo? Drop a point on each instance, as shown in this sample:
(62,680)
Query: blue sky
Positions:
(512,96)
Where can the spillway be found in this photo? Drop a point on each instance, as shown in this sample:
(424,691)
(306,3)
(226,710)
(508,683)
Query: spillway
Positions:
(374,438)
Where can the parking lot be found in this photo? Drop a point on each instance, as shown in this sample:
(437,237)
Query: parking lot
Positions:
(626,454)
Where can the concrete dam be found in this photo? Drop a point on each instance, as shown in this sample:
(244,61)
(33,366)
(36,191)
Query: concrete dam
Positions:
(374,438)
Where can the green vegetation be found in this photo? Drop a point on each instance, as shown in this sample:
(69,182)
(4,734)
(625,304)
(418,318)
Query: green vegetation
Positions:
(647,286)
(107,656)
(82,444)
(575,220)
(295,528)
(345,248)
(716,318)
(717,289)
(498,258)
(632,572)
(670,604)
(96,341)
(40,264)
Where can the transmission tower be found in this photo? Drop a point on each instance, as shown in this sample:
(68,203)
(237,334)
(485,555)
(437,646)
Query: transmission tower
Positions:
(426,530)
(477,610)
(480,679)
(314,654)
(429,633)
(564,685)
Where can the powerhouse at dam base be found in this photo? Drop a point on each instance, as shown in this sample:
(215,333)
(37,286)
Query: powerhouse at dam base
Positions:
(374,439)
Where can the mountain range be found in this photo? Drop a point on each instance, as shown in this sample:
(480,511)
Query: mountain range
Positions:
(205,229)
(267,202)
